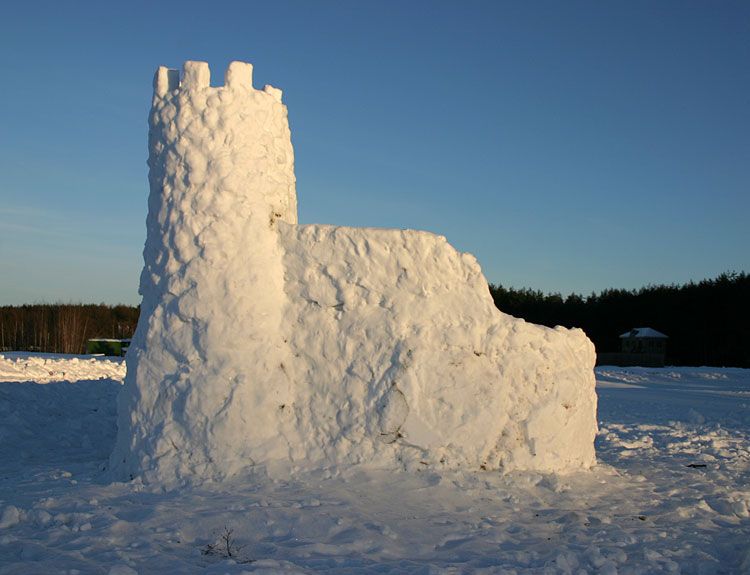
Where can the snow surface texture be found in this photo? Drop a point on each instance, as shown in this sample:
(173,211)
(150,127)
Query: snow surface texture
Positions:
(41,368)
(267,343)
(670,494)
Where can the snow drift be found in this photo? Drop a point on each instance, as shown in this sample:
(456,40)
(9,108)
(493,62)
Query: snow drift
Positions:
(43,368)
(266,343)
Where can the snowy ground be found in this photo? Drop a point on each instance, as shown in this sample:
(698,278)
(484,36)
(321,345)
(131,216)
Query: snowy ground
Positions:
(671,493)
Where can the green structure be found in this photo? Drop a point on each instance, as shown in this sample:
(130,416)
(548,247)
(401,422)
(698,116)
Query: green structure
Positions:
(111,347)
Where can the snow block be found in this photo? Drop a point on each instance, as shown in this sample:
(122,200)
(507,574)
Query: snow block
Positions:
(195,75)
(263,343)
(239,74)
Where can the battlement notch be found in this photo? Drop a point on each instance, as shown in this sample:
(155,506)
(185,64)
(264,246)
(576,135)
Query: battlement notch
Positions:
(196,75)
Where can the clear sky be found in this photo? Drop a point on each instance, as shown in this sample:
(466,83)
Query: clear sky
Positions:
(571,146)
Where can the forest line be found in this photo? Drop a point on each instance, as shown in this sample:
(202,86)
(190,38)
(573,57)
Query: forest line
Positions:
(708,322)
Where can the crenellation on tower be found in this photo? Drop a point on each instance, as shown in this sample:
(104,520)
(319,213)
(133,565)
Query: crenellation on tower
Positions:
(275,92)
(165,81)
(239,75)
(195,75)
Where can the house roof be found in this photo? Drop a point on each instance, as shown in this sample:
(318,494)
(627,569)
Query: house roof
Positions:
(643,332)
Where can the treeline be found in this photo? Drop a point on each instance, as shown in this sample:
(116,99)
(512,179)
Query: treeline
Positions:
(708,323)
(63,328)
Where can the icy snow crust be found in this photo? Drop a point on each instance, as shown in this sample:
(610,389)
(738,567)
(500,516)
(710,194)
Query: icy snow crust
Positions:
(267,343)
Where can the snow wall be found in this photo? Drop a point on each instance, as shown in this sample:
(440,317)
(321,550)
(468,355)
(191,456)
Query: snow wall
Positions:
(267,344)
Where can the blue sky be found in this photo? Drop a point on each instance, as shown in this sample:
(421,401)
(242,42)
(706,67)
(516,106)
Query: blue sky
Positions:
(571,146)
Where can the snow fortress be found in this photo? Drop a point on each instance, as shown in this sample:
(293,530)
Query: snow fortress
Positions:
(295,347)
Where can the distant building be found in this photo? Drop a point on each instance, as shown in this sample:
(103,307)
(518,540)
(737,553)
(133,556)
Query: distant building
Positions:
(641,346)
(643,340)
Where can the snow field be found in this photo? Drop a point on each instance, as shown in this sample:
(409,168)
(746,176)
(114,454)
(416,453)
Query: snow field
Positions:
(649,506)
